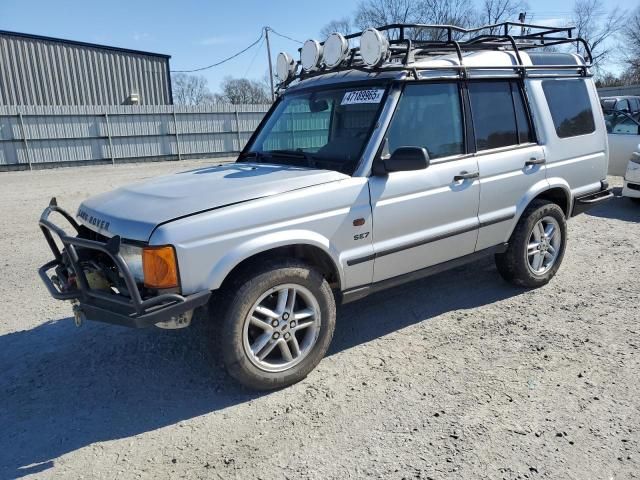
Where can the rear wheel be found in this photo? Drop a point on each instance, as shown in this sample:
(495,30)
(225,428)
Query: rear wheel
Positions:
(278,325)
(536,247)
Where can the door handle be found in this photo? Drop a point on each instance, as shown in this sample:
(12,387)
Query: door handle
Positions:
(466,176)
(535,161)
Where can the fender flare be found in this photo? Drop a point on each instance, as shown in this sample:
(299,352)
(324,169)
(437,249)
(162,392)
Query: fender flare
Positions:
(537,189)
(261,244)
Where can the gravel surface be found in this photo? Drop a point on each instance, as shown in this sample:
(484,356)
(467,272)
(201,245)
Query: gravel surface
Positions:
(457,376)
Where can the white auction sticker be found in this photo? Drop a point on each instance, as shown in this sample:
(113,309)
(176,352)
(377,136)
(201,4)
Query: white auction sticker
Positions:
(362,96)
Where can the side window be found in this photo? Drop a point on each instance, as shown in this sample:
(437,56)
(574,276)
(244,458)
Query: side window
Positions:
(499,115)
(570,107)
(623,105)
(428,115)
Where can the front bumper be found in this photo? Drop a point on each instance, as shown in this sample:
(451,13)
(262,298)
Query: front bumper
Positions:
(128,310)
(631,186)
(585,202)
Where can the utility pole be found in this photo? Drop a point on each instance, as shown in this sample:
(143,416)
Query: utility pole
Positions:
(521,17)
(266,34)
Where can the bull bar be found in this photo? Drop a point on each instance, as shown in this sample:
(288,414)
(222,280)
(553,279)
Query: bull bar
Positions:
(99,305)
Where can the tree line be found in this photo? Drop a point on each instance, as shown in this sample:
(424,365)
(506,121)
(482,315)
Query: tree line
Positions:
(613,37)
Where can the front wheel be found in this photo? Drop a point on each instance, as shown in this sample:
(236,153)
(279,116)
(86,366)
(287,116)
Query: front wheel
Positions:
(278,325)
(536,247)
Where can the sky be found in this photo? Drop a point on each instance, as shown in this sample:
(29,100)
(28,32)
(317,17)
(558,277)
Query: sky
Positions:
(199,33)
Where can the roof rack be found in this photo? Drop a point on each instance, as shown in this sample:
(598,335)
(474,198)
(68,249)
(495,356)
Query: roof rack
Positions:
(408,43)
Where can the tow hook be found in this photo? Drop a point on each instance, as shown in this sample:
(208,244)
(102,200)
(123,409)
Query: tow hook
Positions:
(78,315)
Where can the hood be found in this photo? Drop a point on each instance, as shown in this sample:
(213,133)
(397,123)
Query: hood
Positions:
(134,211)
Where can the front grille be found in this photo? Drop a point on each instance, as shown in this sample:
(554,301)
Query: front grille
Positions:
(633,186)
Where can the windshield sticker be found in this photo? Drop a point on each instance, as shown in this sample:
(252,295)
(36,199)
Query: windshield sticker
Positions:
(362,96)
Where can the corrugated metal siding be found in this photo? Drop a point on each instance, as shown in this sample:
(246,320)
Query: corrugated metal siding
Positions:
(36,71)
(37,135)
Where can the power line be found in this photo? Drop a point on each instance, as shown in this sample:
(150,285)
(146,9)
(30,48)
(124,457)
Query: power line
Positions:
(253,59)
(285,36)
(222,61)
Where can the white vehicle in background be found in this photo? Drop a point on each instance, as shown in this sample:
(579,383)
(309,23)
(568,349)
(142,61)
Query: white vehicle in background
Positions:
(623,130)
(631,186)
(627,104)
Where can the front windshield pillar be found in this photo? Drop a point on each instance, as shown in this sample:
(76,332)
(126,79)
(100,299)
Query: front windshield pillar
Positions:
(377,136)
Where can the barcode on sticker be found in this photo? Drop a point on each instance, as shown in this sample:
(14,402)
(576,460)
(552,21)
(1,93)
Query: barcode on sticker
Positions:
(362,96)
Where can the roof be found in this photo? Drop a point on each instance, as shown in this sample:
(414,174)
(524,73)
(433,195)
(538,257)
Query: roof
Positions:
(81,44)
(498,63)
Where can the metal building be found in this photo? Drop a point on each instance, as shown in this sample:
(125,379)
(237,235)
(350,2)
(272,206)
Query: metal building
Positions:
(36,70)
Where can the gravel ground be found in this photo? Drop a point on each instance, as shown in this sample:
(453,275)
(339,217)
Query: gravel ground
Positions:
(456,376)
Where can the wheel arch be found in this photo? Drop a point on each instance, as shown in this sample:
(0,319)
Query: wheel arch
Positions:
(556,191)
(309,247)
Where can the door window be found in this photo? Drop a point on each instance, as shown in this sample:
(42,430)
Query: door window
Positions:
(500,117)
(428,115)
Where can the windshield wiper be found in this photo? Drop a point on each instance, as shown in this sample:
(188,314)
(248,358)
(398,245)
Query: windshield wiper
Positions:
(295,154)
(259,156)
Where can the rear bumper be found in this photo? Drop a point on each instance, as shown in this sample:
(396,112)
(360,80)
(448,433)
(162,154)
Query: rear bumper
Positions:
(99,305)
(584,202)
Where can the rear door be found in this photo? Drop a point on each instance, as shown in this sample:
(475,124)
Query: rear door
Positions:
(425,217)
(509,159)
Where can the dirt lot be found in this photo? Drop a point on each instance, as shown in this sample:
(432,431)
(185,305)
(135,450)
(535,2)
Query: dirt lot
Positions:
(456,376)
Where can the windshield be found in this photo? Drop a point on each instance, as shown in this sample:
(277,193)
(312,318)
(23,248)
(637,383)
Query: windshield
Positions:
(320,129)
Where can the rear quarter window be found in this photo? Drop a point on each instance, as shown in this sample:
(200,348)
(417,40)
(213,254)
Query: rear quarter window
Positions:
(570,107)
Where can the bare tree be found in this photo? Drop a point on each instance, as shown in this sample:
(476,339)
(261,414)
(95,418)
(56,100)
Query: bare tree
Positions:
(373,13)
(244,91)
(190,89)
(499,11)
(598,28)
(631,48)
(460,13)
(441,12)
(342,26)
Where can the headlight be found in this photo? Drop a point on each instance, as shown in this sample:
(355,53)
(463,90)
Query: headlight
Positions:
(132,256)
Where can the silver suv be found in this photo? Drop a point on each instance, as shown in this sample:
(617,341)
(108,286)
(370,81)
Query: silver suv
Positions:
(377,165)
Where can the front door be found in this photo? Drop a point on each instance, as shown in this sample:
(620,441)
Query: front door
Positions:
(425,217)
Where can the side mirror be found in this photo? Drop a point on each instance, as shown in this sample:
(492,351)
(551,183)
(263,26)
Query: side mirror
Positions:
(403,159)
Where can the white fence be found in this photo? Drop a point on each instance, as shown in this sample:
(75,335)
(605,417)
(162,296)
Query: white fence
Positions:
(36,137)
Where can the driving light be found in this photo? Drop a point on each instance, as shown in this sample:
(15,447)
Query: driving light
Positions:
(160,267)
(335,51)
(374,47)
(285,66)
(311,55)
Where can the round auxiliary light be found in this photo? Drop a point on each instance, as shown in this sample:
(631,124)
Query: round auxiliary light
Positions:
(374,47)
(285,66)
(336,49)
(311,55)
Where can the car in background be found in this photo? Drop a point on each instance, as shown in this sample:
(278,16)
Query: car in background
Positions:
(631,187)
(623,131)
(627,104)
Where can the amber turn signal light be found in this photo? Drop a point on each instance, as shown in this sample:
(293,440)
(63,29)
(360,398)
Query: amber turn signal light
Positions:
(160,267)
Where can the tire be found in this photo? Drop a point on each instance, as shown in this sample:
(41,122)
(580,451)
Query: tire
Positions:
(517,265)
(245,326)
